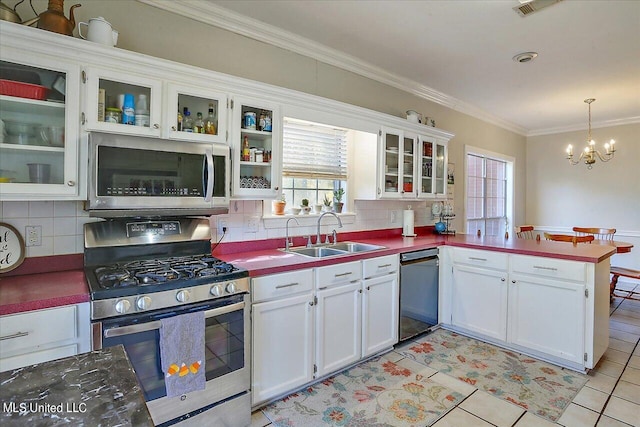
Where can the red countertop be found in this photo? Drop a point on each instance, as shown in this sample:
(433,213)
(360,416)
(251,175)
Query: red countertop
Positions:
(64,282)
(43,282)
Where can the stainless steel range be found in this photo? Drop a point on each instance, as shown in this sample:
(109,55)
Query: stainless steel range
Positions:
(142,271)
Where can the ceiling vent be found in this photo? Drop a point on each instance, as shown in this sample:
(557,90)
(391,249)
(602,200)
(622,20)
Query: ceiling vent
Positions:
(527,8)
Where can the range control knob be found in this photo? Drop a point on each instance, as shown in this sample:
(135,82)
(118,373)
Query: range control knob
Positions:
(144,303)
(216,290)
(183,296)
(231,287)
(122,306)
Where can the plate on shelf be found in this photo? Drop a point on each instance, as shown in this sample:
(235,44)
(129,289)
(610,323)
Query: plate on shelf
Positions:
(392,149)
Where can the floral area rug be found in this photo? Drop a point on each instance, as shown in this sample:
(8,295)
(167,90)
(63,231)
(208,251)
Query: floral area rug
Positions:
(376,393)
(538,387)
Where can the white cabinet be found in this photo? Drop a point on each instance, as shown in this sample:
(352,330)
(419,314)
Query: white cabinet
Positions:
(115,84)
(258,123)
(408,164)
(338,318)
(39,143)
(380,304)
(43,335)
(282,333)
(548,308)
(480,301)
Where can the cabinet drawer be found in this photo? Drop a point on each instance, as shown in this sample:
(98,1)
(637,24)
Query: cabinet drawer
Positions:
(34,329)
(549,267)
(280,285)
(338,273)
(379,266)
(478,258)
(32,358)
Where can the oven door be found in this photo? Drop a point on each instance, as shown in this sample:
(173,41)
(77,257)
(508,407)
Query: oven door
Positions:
(226,346)
(156,177)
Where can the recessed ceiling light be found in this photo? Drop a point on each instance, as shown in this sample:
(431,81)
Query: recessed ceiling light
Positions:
(525,57)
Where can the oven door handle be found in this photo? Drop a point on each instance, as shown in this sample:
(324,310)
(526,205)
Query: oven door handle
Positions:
(208,168)
(150,326)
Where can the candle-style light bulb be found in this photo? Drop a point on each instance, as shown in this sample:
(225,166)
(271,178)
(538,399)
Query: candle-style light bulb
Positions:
(586,149)
(606,147)
(570,150)
(592,142)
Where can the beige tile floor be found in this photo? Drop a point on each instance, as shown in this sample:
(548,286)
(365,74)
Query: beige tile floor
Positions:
(611,397)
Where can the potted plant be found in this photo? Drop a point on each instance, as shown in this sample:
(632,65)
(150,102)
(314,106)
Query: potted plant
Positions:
(326,204)
(305,206)
(277,206)
(337,203)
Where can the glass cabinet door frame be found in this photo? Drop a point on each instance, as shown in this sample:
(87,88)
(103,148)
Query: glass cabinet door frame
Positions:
(236,134)
(171,113)
(91,78)
(69,188)
(435,176)
(398,170)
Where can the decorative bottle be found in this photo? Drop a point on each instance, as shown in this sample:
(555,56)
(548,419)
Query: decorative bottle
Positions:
(198,125)
(211,123)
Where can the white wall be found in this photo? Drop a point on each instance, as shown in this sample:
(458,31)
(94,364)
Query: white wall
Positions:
(561,196)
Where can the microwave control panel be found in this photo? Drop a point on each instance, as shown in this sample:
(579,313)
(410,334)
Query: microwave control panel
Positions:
(158,228)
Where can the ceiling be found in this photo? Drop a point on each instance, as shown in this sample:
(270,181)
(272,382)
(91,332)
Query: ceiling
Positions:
(460,53)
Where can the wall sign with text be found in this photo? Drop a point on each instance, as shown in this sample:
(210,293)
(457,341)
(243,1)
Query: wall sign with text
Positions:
(11,248)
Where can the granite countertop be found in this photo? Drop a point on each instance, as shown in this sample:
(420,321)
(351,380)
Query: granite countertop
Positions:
(91,389)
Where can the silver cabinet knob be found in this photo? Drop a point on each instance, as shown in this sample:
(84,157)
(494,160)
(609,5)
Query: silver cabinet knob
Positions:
(156,126)
(502,279)
(183,296)
(216,290)
(174,128)
(231,287)
(71,183)
(123,306)
(143,303)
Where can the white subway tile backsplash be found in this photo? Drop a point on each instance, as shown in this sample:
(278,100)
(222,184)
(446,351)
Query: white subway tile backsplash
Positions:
(43,209)
(15,210)
(67,209)
(45,249)
(64,226)
(63,245)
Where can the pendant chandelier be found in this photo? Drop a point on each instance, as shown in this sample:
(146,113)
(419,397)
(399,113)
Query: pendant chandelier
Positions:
(590,154)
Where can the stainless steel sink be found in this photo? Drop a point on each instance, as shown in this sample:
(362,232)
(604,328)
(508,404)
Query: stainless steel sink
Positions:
(328,250)
(353,247)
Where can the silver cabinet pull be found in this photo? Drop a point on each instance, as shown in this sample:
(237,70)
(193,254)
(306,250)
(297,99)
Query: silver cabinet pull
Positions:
(384,266)
(343,274)
(16,335)
(287,285)
(541,267)
(477,259)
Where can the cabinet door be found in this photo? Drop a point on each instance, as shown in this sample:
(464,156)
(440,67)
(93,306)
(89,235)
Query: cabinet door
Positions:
(338,327)
(440,169)
(479,301)
(196,100)
(282,346)
(106,89)
(39,140)
(251,177)
(379,314)
(547,315)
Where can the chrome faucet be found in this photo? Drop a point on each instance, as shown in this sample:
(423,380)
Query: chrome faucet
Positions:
(318,237)
(287,243)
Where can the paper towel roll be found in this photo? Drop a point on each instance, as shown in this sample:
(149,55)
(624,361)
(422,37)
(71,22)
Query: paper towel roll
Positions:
(408,218)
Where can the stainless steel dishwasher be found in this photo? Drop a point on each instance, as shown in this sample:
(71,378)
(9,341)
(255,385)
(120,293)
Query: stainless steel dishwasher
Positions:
(418,292)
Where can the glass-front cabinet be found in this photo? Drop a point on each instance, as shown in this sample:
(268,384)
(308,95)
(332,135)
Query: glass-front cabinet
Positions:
(38,127)
(120,102)
(196,114)
(432,169)
(399,157)
(256,147)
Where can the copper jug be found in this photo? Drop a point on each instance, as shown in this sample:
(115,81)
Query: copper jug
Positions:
(53,18)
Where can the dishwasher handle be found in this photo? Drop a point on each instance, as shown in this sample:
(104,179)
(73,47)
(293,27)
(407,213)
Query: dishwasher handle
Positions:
(422,255)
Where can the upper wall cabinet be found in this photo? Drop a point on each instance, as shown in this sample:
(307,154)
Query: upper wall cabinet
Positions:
(405,165)
(39,115)
(256,148)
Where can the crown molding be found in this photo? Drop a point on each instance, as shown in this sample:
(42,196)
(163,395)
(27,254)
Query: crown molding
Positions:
(217,16)
(594,125)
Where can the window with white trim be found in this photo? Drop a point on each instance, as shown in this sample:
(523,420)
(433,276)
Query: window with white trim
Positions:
(488,201)
(314,161)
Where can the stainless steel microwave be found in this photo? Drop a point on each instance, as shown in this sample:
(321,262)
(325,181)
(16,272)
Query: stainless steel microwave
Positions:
(145,177)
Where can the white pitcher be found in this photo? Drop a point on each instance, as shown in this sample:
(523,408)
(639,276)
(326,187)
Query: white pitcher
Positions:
(99,31)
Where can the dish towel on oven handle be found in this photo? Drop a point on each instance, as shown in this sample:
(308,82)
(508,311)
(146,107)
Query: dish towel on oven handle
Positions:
(182,353)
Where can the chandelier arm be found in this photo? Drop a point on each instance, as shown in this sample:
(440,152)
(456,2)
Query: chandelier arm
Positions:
(604,158)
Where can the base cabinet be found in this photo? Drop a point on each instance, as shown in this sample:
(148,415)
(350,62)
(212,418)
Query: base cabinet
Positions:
(44,335)
(548,308)
(379,313)
(480,301)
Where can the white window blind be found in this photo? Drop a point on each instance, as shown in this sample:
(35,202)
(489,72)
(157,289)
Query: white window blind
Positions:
(311,150)
(486,195)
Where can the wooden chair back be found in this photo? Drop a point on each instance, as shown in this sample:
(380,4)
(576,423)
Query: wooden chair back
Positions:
(597,233)
(525,232)
(569,238)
